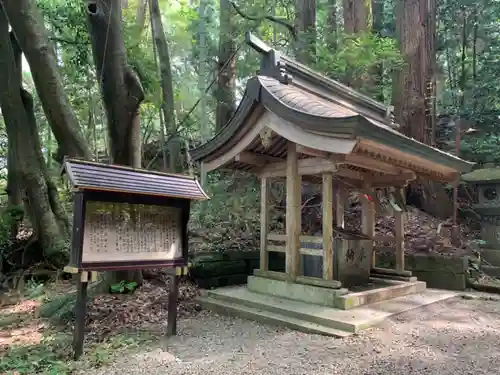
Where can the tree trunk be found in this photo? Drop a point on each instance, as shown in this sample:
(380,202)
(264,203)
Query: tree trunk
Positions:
(27,159)
(305,24)
(226,83)
(415,25)
(357,20)
(416,31)
(377,72)
(166,83)
(332,26)
(27,23)
(357,16)
(121,91)
(140,14)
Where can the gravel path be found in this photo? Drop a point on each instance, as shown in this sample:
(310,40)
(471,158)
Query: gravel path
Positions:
(455,337)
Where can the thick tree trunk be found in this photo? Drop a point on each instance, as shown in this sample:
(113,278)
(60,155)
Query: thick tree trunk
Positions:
(332,26)
(121,90)
(377,72)
(357,20)
(28,26)
(226,84)
(26,155)
(416,31)
(305,24)
(415,25)
(166,84)
(357,16)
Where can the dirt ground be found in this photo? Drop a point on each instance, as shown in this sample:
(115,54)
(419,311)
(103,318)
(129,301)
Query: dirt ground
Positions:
(460,336)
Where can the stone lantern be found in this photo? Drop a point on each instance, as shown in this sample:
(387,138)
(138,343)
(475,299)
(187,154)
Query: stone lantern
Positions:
(487,182)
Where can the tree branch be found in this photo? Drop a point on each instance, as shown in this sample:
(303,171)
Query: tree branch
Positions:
(277,20)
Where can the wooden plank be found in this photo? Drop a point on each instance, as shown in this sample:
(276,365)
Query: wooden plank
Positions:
(282,237)
(368,218)
(173,297)
(293,212)
(302,250)
(400,248)
(80,314)
(340,198)
(313,252)
(387,271)
(309,166)
(327,226)
(252,158)
(264,223)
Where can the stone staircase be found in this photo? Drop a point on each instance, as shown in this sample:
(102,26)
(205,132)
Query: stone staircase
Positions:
(311,318)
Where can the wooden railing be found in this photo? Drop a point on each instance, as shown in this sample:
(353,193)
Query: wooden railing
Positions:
(302,250)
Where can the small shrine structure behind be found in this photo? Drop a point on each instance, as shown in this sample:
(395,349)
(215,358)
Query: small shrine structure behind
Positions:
(295,124)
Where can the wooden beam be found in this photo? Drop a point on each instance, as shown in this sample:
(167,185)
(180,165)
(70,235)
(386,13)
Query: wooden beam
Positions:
(258,160)
(372,164)
(340,198)
(312,152)
(368,219)
(293,212)
(400,244)
(264,223)
(309,166)
(327,226)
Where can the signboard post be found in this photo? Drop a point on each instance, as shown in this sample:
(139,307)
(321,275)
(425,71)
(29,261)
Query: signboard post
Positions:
(126,219)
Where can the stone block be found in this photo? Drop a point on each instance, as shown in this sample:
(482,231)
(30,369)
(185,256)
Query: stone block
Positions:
(298,292)
(352,261)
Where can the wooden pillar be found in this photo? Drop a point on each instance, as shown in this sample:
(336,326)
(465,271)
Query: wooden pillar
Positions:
(327,226)
(264,223)
(368,219)
(340,197)
(400,238)
(293,212)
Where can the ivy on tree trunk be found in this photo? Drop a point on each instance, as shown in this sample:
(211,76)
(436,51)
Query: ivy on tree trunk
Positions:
(121,91)
(26,159)
(27,23)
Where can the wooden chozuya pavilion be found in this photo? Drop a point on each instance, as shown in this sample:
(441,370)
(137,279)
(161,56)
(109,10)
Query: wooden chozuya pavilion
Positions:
(296,124)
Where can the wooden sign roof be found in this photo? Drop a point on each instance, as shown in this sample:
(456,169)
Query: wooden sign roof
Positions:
(87,175)
(302,106)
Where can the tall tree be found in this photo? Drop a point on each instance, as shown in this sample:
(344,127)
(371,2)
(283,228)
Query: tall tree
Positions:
(305,26)
(27,23)
(166,84)
(121,89)
(26,159)
(357,16)
(357,21)
(226,83)
(415,27)
(332,26)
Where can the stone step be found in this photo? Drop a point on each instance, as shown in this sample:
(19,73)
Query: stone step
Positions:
(492,271)
(282,306)
(393,289)
(242,302)
(268,317)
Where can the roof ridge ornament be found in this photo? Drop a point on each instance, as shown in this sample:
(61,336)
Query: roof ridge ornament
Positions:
(270,63)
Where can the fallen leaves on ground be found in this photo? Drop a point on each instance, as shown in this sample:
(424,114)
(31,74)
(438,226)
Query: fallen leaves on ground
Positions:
(146,307)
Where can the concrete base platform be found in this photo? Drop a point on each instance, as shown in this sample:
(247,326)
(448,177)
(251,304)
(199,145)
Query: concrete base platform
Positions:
(310,318)
(341,298)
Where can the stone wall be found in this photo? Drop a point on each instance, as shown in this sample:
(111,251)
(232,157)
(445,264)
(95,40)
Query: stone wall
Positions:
(437,271)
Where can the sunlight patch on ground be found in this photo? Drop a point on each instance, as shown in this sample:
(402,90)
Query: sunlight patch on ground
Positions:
(30,334)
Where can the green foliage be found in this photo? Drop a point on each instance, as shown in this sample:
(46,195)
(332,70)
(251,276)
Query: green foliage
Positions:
(230,220)
(53,354)
(123,287)
(358,56)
